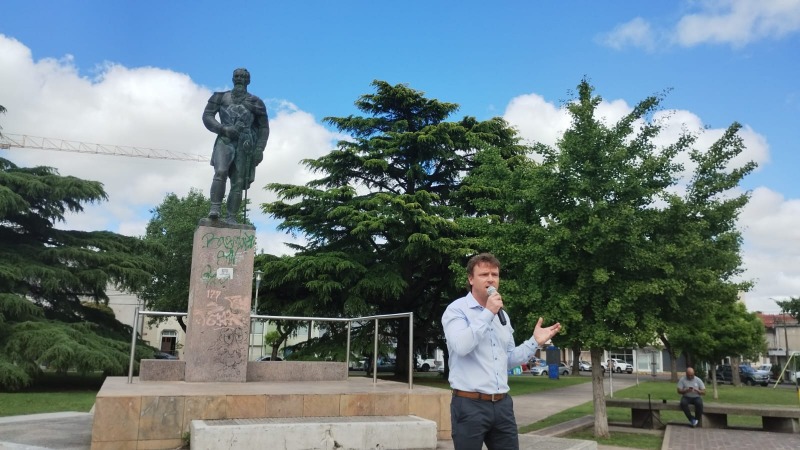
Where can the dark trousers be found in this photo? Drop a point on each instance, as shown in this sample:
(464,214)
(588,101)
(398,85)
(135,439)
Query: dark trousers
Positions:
(476,422)
(698,407)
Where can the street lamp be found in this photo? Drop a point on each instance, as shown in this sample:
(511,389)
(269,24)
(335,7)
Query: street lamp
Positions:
(258,274)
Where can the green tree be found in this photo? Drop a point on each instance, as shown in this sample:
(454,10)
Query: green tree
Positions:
(701,243)
(171,233)
(579,231)
(726,330)
(379,222)
(791,307)
(52,280)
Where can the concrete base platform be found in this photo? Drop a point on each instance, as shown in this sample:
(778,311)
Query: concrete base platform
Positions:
(151,415)
(316,433)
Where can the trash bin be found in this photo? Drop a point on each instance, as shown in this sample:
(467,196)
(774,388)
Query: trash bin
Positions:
(553,362)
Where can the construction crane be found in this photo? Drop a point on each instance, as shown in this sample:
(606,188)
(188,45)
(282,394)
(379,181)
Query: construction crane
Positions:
(9,141)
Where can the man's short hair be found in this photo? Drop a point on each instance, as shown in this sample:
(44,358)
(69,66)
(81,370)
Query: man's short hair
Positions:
(487,258)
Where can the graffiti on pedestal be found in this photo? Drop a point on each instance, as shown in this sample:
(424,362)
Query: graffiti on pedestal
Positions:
(231,249)
(225,315)
(223,300)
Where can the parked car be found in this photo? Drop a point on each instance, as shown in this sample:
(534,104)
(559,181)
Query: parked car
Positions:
(164,355)
(542,369)
(534,361)
(358,364)
(424,365)
(747,375)
(384,365)
(584,366)
(618,366)
(269,358)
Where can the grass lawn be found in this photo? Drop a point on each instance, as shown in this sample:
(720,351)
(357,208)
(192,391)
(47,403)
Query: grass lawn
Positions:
(659,390)
(519,384)
(53,393)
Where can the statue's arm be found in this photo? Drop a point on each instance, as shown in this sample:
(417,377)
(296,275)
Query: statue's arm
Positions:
(210,118)
(210,114)
(262,124)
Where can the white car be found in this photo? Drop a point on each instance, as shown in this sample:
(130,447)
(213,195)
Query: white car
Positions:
(563,369)
(618,365)
(424,365)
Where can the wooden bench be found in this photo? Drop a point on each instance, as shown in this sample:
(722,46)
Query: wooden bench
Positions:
(646,413)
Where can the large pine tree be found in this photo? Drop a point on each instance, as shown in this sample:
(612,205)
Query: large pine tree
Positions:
(380,220)
(53,282)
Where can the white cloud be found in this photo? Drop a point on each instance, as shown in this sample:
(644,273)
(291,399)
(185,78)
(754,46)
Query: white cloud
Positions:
(733,22)
(636,33)
(738,22)
(771,248)
(143,107)
(768,223)
(536,119)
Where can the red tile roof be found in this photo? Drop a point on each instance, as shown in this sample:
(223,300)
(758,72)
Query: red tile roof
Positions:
(773,320)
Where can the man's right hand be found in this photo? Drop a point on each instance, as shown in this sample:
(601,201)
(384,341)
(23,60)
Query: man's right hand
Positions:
(230,132)
(494,302)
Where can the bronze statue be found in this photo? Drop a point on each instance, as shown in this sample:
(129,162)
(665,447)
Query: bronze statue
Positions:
(242,132)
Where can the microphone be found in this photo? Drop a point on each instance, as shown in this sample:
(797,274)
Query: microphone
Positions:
(500,315)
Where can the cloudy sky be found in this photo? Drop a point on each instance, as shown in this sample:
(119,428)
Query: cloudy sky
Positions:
(139,74)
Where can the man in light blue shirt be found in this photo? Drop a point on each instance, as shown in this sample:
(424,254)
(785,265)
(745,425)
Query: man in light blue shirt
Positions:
(482,350)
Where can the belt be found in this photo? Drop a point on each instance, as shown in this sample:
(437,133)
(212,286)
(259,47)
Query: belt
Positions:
(479,395)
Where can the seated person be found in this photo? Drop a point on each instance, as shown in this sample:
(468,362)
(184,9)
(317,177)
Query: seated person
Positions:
(692,389)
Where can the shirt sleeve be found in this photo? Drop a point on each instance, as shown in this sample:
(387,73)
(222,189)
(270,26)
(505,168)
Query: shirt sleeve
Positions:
(522,353)
(461,334)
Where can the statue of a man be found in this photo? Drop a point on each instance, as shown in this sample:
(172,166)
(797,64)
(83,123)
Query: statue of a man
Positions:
(242,131)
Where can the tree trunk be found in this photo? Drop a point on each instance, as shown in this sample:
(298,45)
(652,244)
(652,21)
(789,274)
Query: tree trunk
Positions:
(714,381)
(735,379)
(598,395)
(182,323)
(673,360)
(576,359)
(401,352)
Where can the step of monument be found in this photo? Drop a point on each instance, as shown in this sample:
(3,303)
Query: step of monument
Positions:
(317,433)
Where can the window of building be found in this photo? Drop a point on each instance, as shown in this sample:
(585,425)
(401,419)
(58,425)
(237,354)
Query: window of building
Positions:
(169,341)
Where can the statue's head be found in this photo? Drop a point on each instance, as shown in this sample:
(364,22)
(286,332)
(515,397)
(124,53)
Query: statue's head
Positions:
(241,76)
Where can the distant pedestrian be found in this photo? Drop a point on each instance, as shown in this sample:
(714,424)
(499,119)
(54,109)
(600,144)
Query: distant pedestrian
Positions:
(692,389)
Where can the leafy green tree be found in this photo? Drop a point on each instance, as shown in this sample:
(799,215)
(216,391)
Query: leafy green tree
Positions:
(579,230)
(727,330)
(379,222)
(52,280)
(791,307)
(171,233)
(701,243)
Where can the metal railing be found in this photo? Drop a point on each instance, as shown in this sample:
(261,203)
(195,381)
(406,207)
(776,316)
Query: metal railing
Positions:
(349,321)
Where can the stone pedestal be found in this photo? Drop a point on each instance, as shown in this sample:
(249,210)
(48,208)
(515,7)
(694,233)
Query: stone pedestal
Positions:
(218,322)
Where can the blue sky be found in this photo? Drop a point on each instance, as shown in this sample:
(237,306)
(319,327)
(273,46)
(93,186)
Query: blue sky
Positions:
(139,73)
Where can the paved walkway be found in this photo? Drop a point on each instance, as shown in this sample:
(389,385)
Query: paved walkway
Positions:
(72,431)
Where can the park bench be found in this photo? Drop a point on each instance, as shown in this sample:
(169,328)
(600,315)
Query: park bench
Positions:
(647,413)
